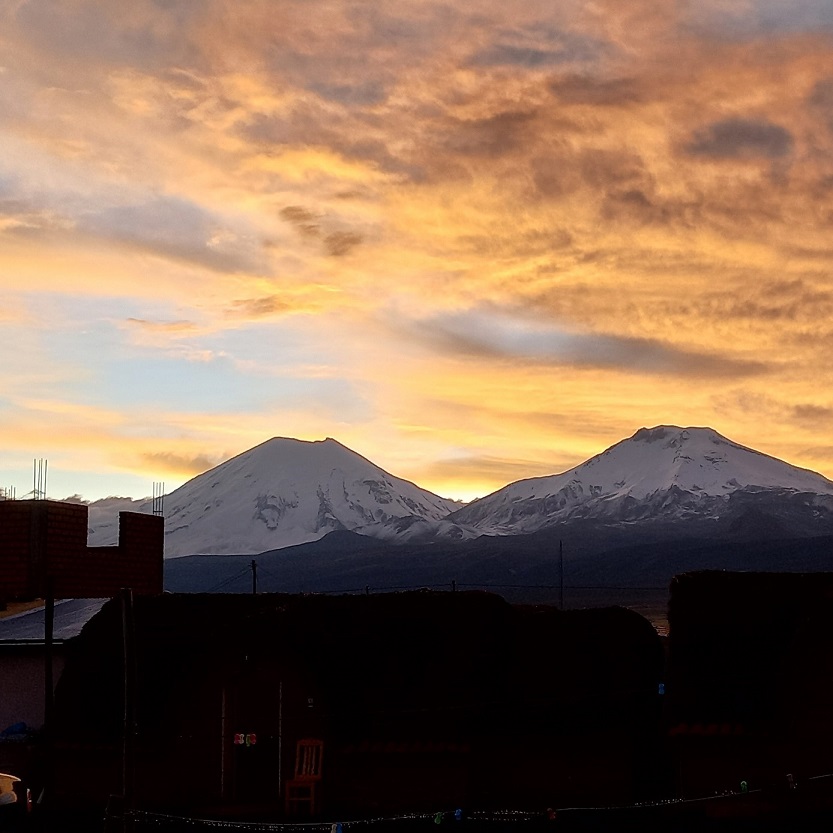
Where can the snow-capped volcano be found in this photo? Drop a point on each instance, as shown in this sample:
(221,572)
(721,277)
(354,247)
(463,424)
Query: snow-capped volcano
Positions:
(665,473)
(285,492)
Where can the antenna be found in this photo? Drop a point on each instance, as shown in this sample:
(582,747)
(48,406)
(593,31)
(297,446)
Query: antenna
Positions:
(159,498)
(39,479)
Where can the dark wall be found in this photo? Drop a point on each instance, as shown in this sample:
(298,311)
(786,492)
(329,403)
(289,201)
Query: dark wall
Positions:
(421,698)
(750,678)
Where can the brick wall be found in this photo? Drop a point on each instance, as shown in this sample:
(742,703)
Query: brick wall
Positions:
(15,545)
(43,541)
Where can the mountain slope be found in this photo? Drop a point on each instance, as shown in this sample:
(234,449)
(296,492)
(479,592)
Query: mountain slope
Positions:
(285,492)
(666,473)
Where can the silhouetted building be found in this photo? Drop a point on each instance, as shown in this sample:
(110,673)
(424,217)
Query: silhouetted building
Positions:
(407,702)
(750,678)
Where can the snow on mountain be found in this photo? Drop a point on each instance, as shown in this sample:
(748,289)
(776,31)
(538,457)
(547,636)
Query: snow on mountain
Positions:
(103,518)
(285,492)
(663,472)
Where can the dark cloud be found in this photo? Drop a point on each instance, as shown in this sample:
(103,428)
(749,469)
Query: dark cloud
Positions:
(336,243)
(634,206)
(607,168)
(565,170)
(741,138)
(757,18)
(358,94)
(488,337)
(539,49)
(596,92)
(305,221)
(821,100)
(340,243)
(812,414)
(490,137)
(553,177)
(297,214)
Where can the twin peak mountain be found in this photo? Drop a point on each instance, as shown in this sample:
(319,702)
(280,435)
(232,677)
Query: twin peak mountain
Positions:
(285,492)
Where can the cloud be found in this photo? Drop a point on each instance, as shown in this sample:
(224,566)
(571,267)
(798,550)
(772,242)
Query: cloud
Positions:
(173,227)
(541,49)
(738,138)
(146,34)
(188,465)
(301,218)
(591,91)
(757,18)
(635,206)
(496,135)
(268,305)
(166,327)
(819,415)
(340,243)
(487,468)
(485,336)
(359,94)
(335,243)
(821,100)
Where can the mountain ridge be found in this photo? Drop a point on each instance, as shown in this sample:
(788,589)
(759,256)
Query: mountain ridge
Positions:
(664,471)
(285,492)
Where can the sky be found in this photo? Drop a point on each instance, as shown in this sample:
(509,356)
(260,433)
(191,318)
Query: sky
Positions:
(473,241)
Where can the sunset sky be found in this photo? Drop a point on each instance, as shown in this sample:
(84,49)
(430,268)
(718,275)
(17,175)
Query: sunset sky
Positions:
(473,241)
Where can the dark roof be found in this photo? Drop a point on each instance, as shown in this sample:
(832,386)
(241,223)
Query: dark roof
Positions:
(70,617)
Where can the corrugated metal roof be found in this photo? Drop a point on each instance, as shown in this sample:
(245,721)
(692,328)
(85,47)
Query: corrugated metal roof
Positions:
(70,616)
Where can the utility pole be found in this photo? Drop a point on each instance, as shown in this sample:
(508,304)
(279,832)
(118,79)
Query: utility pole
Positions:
(130,681)
(254,577)
(561,573)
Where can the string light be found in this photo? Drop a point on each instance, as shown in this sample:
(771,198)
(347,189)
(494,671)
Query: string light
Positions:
(444,818)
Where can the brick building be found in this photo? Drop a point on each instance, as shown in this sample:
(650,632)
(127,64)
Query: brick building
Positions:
(43,547)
